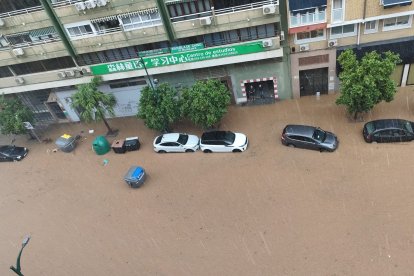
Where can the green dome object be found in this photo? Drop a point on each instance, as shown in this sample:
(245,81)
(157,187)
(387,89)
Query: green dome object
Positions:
(100,145)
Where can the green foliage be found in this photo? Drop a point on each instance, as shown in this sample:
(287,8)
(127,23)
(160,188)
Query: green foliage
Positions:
(159,107)
(12,115)
(92,104)
(205,103)
(366,82)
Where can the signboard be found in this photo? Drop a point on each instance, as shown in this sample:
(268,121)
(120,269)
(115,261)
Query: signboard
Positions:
(153,52)
(186,48)
(178,58)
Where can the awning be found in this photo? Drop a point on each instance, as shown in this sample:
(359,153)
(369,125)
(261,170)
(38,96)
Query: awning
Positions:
(305,4)
(104,19)
(307,28)
(42,31)
(392,3)
(147,11)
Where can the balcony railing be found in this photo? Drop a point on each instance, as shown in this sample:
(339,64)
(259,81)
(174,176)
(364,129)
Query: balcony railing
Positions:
(29,44)
(60,3)
(337,15)
(234,9)
(22,11)
(307,19)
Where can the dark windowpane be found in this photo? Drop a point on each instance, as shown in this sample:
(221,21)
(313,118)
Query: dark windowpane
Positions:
(5,72)
(43,65)
(14,5)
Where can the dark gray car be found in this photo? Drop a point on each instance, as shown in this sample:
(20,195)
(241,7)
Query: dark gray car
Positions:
(309,137)
(388,130)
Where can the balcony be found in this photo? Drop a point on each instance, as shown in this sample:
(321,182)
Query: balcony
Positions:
(308,18)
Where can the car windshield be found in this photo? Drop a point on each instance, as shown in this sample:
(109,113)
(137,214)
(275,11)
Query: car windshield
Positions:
(319,135)
(409,127)
(230,137)
(182,139)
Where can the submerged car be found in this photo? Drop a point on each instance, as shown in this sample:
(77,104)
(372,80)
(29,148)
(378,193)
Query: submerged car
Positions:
(309,137)
(223,141)
(176,142)
(388,130)
(12,153)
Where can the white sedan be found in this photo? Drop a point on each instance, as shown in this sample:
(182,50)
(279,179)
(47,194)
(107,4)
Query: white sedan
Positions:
(176,142)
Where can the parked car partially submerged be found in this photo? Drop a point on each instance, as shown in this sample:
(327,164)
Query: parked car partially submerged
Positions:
(223,141)
(12,153)
(388,130)
(309,137)
(176,142)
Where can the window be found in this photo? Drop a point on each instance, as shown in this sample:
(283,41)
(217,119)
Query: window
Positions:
(337,11)
(315,35)
(15,5)
(140,20)
(80,30)
(189,10)
(371,27)
(395,23)
(343,31)
(42,65)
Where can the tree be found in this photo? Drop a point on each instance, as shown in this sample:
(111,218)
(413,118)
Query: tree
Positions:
(205,103)
(366,82)
(94,105)
(13,113)
(159,107)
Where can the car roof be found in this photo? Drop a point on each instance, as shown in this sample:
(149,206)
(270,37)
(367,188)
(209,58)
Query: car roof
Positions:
(300,130)
(388,123)
(170,137)
(214,135)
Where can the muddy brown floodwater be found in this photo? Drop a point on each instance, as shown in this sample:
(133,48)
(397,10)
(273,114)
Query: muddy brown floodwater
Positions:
(271,210)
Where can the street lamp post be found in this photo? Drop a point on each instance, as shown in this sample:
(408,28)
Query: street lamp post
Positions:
(146,71)
(17,269)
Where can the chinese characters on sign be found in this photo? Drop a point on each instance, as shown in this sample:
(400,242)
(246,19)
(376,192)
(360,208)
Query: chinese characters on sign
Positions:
(178,58)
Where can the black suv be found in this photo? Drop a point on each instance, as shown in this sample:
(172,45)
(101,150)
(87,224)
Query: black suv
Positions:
(309,137)
(388,130)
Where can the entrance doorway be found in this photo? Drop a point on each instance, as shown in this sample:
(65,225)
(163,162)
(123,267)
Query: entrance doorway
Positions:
(312,81)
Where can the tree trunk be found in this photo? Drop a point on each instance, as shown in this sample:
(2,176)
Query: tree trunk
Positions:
(107,125)
(355,115)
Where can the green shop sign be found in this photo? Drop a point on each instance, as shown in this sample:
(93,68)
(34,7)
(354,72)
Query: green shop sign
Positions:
(178,58)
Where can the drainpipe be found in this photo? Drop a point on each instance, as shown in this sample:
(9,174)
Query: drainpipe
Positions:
(162,8)
(363,21)
(47,5)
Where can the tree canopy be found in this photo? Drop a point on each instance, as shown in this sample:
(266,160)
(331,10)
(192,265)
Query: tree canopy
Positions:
(205,103)
(159,107)
(92,104)
(12,115)
(366,82)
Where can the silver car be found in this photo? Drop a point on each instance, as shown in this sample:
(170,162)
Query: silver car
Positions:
(309,137)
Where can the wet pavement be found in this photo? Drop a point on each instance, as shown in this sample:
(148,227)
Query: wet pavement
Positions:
(271,210)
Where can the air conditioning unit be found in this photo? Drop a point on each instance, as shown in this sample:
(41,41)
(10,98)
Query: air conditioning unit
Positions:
(282,35)
(205,21)
(62,75)
(101,3)
(70,73)
(2,23)
(269,9)
(304,47)
(90,4)
(19,80)
(332,43)
(18,52)
(80,6)
(267,43)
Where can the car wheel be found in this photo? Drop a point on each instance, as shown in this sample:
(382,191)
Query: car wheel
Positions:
(207,151)
(322,150)
(291,145)
(189,150)
(161,151)
(236,150)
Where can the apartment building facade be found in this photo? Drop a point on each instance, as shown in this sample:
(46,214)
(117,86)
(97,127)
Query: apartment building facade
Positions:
(319,30)
(47,47)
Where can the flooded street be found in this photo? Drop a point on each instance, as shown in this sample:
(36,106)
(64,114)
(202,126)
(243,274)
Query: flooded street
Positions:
(271,210)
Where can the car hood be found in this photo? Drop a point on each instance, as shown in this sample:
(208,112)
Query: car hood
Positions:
(240,139)
(17,151)
(330,139)
(192,141)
